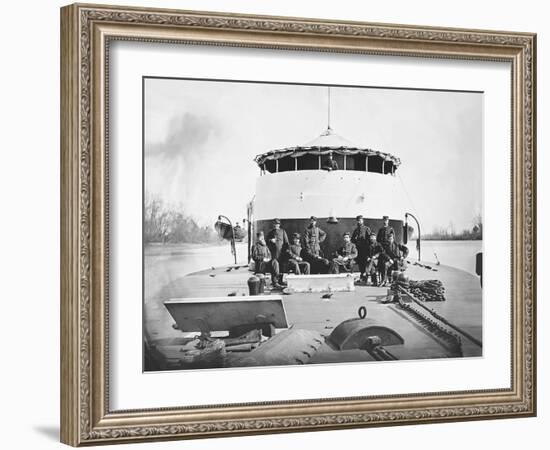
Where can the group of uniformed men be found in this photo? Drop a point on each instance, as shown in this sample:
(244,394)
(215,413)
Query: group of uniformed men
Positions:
(375,254)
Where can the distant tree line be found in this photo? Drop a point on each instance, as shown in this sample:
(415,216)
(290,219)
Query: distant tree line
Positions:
(166,224)
(450,234)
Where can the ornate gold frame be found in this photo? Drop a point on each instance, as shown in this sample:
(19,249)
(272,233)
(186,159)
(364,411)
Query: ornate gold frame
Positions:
(86,31)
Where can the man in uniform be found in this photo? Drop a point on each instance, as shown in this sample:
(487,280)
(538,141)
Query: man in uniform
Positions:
(384,232)
(264,261)
(313,236)
(330,164)
(295,261)
(360,238)
(345,256)
(277,240)
(394,257)
(373,252)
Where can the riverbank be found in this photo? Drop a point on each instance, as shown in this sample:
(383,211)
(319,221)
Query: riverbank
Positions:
(448,238)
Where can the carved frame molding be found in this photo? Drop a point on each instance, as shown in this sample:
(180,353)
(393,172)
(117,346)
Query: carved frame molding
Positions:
(86,31)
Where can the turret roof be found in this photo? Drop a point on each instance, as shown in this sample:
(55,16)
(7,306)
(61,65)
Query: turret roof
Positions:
(327,142)
(329,139)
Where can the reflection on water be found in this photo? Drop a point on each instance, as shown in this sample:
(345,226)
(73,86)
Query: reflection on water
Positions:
(165,263)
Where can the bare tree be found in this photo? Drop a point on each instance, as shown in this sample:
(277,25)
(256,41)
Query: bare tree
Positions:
(450,234)
(478,224)
(168,224)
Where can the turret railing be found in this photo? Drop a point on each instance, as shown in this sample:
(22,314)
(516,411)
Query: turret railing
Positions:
(232,236)
(418,239)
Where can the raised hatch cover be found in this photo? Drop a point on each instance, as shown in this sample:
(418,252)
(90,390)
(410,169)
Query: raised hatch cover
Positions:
(224,313)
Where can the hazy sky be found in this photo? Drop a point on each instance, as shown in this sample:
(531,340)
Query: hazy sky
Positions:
(201,138)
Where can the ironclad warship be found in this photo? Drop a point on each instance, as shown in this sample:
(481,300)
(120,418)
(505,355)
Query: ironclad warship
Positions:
(210,319)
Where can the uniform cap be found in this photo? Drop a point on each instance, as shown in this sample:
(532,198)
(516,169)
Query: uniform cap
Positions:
(277,221)
(296,235)
(313,218)
(385,217)
(359,217)
(346,233)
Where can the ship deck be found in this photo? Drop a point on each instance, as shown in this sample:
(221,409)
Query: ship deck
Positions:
(463,307)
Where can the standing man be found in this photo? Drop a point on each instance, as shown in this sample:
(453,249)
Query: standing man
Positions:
(313,236)
(264,261)
(360,237)
(394,257)
(277,240)
(345,256)
(295,260)
(384,232)
(373,253)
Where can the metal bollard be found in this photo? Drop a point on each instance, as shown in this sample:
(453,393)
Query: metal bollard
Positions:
(262,279)
(254,285)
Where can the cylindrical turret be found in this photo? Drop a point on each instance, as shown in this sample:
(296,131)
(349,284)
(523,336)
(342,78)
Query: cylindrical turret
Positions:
(332,179)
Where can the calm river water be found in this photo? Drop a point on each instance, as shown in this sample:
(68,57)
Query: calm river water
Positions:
(459,254)
(164,262)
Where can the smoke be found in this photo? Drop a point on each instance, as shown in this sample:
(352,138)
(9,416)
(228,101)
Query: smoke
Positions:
(176,166)
(187,135)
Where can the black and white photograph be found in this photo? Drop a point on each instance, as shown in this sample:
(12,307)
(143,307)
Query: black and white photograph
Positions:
(277,224)
(290,224)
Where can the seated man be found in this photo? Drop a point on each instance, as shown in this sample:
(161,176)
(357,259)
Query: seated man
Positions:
(345,256)
(264,261)
(372,253)
(317,263)
(393,258)
(294,253)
